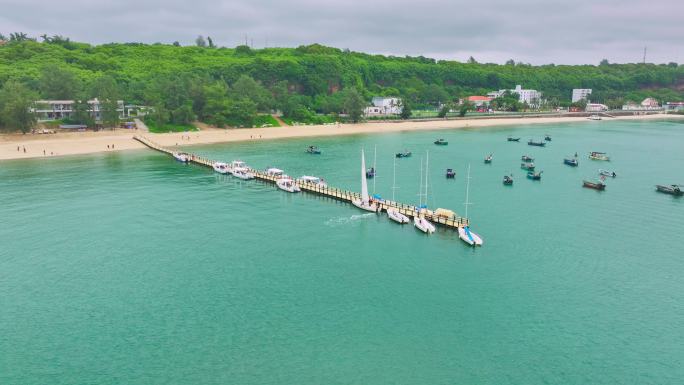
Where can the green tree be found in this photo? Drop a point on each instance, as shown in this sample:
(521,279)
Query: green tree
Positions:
(16,103)
(465,107)
(444,110)
(406,111)
(353,104)
(80,113)
(58,83)
(200,42)
(210,42)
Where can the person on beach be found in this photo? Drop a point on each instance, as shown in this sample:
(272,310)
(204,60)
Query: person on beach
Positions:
(24,150)
(43,152)
(17,148)
(107,147)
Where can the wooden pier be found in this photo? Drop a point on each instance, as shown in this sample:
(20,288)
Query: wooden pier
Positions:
(331,192)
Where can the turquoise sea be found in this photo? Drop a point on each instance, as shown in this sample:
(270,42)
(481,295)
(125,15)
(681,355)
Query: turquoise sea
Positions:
(130,268)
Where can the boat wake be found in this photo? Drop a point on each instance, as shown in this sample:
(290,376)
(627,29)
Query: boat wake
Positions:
(342,221)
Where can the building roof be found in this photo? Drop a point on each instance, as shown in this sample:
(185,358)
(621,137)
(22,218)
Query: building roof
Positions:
(477,98)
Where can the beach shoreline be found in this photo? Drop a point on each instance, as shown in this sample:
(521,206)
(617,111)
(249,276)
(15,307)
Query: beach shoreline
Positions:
(19,146)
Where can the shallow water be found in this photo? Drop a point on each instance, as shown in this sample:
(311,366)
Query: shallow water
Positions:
(132,268)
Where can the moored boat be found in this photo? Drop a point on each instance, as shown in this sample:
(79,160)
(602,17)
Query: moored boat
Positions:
(594,117)
(672,189)
(314,180)
(526,158)
(488,158)
(182,157)
(598,185)
(288,184)
(396,216)
(274,172)
(469,237)
(611,174)
(221,168)
(423,224)
(313,150)
(508,180)
(512,139)
(363,202)
(571,162)
(538,144)
(534,175)
(242,173)
(547,138)
(441,142)
(370,173)
(596,155)
(404,154)
(529,166)
(450,173)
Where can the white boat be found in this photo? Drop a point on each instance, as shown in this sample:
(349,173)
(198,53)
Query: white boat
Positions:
(396,216)
(288,184)
(596,155)
(465,233)
(276,172)
(363,202)
(181,156)
(314,180)
(607,173)
(237,164)
(469,237)
(393,213)
(242,173)
(221,168)
(594,117)
(423,224)
(419,220)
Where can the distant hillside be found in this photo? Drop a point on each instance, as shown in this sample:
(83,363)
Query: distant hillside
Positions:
(307,77)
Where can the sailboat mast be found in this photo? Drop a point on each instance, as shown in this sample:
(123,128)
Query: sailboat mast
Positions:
(427,158)
(364,184)
(375,166)
(420,184)
(467,202)
(394,176)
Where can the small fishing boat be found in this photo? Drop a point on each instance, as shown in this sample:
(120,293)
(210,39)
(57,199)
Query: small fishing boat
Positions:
(182,157)
(529,166)
(538,144)
(595,155)
(396,216)
(508,180)
(489,158)
(370,173)
(363,202)
(423,224)
(242,173)
(672,189)
(512,139)
(526,158)
(469,237)
(288,184)
(547,138)
(221,168)
(450,173)
(611,174)
(441,142)
(313,180)
(404,154)
(598,185)
(313,150)
(594,117)
(571,162)
(534,175)
(237,164)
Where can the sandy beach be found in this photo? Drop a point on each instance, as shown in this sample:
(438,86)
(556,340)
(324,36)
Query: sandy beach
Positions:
(18,146)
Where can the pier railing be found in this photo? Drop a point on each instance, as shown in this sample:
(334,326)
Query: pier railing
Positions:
(331,192)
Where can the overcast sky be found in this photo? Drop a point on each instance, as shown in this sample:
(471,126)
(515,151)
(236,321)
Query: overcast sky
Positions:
(534,31)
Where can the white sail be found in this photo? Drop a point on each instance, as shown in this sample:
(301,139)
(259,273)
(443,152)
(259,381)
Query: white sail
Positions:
(364,184)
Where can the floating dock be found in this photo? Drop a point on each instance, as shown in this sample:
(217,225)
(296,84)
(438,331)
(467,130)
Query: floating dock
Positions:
(330,192)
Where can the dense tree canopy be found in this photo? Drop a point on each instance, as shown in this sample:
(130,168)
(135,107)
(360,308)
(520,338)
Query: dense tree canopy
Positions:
(229,86)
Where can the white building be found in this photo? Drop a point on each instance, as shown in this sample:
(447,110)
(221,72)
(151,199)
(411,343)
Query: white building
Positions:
(580,94)
(596,107)
(48,110)
(383,106)
(531,97)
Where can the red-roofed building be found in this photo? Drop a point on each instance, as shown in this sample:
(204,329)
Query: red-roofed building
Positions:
(479,101)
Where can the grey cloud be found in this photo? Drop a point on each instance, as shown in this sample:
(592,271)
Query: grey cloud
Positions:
(534,31)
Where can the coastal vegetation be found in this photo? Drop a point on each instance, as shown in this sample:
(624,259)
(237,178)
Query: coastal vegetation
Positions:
(242,86)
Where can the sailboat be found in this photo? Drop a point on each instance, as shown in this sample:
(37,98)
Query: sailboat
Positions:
(419,220)
(464,232)
(364,202)
(392,212)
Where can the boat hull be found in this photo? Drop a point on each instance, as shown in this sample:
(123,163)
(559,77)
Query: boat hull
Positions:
(594,185)
(423,225)
(372,207)
(469,237)
(398,217)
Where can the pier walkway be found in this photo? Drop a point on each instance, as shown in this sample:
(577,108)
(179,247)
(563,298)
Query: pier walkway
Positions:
(331,192)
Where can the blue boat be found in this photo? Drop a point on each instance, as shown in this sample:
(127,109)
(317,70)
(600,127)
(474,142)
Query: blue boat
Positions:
(534,175)
(571,162)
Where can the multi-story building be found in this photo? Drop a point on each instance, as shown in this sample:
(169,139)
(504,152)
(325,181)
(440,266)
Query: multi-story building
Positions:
(531,97)
(48,110)
(580,94)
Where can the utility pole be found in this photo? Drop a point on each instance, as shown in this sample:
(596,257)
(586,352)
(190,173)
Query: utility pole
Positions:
(644,55)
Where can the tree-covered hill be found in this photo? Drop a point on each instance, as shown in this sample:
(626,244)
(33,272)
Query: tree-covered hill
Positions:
(228,85)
